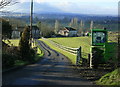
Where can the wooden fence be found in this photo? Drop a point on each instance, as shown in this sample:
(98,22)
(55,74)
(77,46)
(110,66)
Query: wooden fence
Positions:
(74,51)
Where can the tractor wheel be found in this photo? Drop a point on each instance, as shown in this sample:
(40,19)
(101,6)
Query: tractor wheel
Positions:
(94,59)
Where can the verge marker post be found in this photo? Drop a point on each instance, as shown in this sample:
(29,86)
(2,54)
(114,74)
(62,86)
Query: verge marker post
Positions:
(78,56)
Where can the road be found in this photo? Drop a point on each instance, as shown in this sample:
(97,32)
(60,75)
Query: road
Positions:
(53,69)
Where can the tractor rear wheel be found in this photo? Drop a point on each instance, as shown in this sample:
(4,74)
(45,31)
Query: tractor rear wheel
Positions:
(94,59)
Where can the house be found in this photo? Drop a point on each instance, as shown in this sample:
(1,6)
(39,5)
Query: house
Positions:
(63,32)
(35,32)
(16,33)
(68,31)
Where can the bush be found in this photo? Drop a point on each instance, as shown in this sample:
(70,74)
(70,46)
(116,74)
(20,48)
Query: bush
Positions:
(24,45)
(13,50)
(9,56)
(8,60)
(6,29)
(26,52)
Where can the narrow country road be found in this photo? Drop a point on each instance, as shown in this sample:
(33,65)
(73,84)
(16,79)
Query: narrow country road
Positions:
(53,69)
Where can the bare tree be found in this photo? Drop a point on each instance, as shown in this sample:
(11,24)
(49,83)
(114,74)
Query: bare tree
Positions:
(57,26)
(80,27)
(74,23)
(91,25)
(4,3)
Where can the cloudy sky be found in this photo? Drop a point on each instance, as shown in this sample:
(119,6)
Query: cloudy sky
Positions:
(99,7)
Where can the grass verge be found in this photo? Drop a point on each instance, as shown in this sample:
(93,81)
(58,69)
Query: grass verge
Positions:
(39,54)
(37,57)
(112,78)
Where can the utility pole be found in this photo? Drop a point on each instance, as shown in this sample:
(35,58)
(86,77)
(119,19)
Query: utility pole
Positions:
(31,20)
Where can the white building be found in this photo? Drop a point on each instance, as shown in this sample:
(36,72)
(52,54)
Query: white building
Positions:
(68,31)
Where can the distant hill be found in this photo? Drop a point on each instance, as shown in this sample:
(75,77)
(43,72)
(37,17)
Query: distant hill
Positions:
(110,22)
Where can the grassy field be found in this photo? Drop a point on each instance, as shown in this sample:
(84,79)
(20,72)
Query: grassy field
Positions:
(75,42)
(112,37)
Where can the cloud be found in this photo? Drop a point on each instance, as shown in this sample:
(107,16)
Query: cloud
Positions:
(77,1)
(87,8)
(38,1)
(22,1)
(70,6)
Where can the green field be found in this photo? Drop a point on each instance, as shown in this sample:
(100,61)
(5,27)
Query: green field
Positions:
(75,42)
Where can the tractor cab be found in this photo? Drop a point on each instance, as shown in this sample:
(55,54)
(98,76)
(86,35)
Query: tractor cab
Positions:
(99,39)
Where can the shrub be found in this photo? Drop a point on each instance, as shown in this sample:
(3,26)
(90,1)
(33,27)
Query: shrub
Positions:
(14,51)
(9,56)
(7,60)
(26,52)
(6,29)
(24,44)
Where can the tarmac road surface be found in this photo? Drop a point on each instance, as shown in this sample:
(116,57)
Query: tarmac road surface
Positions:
(53,69)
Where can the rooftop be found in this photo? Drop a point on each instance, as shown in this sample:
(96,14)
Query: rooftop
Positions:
(70,29)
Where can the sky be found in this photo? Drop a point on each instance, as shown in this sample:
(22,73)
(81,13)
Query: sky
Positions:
(97,7)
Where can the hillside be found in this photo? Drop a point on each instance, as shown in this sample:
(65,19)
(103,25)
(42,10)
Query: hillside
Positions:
(110,22)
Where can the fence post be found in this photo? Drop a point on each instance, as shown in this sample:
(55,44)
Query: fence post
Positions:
(88,61)
(78,56)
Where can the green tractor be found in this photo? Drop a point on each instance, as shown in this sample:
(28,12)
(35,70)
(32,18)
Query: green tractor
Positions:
(98,47)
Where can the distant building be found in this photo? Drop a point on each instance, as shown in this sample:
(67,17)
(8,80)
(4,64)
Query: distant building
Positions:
(68,31)
(35,32)
(87,33)
(16,33)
